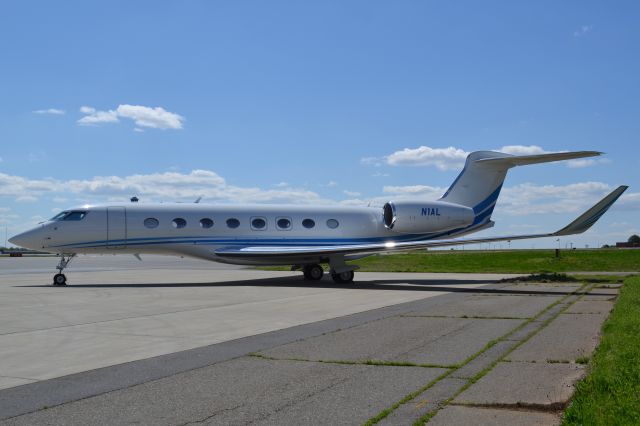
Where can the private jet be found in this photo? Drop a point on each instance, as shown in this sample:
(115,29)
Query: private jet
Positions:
(303,236)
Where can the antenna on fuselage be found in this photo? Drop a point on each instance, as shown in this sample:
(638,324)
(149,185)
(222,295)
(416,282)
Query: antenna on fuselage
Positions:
(198,200)
(134,199)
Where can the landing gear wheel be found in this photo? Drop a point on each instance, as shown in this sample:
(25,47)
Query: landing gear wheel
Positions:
(313,272)
(343,278)
(59,279)
(65,259)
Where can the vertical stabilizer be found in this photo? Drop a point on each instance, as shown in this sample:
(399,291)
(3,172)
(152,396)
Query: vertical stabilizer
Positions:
(480,182)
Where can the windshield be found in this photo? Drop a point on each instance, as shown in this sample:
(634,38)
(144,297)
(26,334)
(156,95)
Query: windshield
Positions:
(59,216)
(70,215)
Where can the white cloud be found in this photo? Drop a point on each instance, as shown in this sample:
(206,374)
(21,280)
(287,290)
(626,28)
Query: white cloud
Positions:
(453,158)
(156,118)
(332,184)
(523,150)
(94,117)
(51,111)
(528,198)
(449,158)
(351,193)
(587,162)
(142,116)
(415,191)
(583,31)
(442,158)
(168,186)
(281,185)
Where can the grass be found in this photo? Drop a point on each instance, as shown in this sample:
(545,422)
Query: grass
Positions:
(609,395)
(544,277)
(507,261)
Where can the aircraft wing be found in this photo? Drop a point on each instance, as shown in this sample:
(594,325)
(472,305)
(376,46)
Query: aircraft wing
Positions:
(578,226)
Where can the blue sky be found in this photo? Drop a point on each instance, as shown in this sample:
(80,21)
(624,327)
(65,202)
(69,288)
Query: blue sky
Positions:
(316,103)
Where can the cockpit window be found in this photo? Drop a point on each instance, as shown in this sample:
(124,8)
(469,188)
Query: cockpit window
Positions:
(75,215)
(59,216)
(70,215)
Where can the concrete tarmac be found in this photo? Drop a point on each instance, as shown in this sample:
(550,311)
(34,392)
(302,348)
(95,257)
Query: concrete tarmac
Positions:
(171,341)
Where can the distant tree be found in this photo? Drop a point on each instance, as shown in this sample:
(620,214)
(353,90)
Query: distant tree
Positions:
(606,246)
(634,239)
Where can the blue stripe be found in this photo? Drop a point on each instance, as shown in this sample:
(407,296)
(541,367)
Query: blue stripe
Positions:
(492,198)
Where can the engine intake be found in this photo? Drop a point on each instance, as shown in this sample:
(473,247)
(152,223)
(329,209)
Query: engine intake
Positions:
(406,217)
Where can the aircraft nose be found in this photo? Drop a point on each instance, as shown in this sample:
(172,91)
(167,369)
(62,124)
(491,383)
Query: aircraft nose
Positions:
(30,239)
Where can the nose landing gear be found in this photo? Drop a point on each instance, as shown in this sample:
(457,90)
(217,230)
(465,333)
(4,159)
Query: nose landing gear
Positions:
(59,278)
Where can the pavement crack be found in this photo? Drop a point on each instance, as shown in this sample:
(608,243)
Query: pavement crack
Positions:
(210,416)
(302,398)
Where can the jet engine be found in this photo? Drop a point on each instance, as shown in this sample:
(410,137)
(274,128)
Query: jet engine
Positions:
(409,217)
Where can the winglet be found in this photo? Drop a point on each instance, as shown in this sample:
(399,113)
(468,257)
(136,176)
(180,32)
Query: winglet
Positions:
(591,216)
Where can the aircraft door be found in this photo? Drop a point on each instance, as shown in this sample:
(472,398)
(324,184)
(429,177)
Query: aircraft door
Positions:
(116,227)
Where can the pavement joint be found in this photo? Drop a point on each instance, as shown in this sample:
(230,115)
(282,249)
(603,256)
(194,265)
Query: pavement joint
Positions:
(373,362)
(463,317)
(562,304)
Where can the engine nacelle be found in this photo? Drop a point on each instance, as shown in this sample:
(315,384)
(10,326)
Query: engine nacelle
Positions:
(410,217)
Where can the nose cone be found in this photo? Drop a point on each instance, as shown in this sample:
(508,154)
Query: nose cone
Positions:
(31,239)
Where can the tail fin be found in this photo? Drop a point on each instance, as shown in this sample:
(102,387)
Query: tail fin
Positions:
(480,182)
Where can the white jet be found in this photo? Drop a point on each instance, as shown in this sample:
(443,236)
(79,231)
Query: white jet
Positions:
(300,235)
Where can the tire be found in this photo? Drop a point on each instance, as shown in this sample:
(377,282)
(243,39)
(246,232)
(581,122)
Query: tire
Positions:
(343,278)
(313,272)
(59,279)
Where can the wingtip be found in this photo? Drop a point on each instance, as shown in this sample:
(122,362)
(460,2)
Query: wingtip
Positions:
(591,216)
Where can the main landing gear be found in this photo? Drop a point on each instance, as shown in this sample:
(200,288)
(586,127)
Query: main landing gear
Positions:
(59,278)
(342,277)
(313,272)
(341,273)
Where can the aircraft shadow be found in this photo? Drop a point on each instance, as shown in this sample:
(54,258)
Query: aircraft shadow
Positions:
(435,285)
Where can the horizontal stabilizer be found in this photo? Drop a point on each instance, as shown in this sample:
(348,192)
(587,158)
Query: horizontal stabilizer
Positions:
(522,160)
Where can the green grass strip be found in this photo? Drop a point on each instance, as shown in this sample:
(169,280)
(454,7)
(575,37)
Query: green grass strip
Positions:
(507,261)
(610,394)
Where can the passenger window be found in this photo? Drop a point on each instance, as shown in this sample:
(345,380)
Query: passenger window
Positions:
(151,222)
(283,223)
(233,223)
(206,223)
(179,222)
(258,223)
(75,216)
(308,223)
(332,223)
